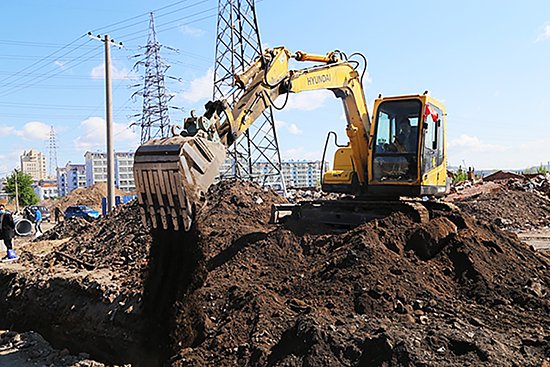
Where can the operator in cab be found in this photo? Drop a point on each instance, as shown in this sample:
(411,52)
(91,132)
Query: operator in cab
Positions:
(406,138)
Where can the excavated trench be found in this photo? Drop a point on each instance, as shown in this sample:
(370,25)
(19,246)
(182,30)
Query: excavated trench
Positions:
(173,315)
(86,312)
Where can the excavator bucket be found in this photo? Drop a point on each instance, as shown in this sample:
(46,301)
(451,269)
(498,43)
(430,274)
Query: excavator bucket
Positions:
(172,176)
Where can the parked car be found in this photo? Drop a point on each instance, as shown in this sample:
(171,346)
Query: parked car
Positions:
(28,212)
(81,211)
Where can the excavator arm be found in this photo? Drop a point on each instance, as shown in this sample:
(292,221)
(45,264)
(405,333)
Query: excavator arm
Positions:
(172,174)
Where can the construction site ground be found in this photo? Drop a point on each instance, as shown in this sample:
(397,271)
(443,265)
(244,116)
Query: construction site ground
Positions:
(468,288)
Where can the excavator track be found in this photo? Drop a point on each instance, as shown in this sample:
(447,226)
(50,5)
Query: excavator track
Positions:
(350,213)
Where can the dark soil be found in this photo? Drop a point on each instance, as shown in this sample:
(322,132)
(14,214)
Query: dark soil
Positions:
(455,291)
(509,209)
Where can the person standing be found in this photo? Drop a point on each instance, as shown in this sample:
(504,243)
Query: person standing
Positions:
(57,213)
(7,233)
(37,222)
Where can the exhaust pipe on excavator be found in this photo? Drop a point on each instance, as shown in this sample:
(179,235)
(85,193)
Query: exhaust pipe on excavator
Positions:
(23,227)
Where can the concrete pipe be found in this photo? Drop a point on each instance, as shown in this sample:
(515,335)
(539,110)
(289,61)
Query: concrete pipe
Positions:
(23,227)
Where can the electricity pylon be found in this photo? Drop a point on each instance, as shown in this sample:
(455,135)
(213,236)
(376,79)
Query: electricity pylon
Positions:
(52,149)
(255,155)
(154,119)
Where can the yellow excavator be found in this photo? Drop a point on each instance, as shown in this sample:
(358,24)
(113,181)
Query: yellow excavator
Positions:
(399,154)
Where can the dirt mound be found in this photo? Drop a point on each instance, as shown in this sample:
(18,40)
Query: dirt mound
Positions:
(390,292)
(118,241)
(90,196)
(238,291)
(509,209)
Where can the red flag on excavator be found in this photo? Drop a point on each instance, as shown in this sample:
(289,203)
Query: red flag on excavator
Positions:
(431,111)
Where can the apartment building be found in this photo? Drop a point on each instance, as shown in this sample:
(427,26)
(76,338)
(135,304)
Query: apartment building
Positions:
(3,194)
(295,173)
(96,169)
(302,173)
(33,163)
(62,189)
(46,189)
(70,177)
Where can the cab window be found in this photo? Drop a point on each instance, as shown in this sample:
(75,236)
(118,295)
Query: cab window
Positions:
(396,140)
(433,138)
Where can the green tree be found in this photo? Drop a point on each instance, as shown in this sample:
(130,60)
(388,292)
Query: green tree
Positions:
(26,193)
(459,175)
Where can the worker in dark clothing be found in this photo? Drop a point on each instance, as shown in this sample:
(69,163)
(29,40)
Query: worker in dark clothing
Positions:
(7,232)
(58,214)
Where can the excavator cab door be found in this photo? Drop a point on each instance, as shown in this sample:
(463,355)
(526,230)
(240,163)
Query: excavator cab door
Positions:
(395,150)
(433,164)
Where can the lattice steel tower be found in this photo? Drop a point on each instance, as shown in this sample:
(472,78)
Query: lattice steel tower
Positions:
(154,119)
(255,155)
(52,150)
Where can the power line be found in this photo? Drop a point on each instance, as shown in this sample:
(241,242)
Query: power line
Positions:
(104,30)
(39,61)
(46,76)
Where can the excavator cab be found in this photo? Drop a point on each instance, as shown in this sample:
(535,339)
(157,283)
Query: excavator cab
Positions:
(407,147)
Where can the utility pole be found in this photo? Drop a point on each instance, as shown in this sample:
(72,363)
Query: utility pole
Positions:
(110,135)
(109,119)
(16,193)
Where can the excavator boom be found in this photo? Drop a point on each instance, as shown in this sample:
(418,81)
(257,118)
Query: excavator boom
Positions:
(172,174)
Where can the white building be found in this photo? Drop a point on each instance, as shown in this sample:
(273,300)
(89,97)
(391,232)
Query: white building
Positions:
(46,189)
(62,189)
(33,163)
(295,173)
(124,171)
(70,177)
(3,194)
(302,173)
(96,169)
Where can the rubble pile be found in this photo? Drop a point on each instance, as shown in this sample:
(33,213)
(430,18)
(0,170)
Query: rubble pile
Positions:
(509,209)
(31,349)
(237,290)
(118,241)
(389,292)
(515,203)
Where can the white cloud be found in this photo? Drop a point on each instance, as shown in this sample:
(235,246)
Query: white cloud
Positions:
(195,32)
(307,101)
(473,144)
(117,72)
(33,131)
(292,128)
(61,65)
(367,79)
(94,134)
(200,88)
(6,130)
(545,33)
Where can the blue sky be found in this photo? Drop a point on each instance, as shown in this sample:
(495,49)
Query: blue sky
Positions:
(488,61)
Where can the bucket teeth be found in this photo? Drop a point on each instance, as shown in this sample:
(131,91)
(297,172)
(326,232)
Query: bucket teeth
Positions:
(172,175)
